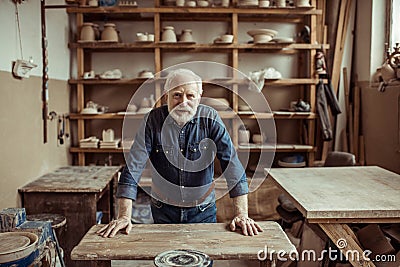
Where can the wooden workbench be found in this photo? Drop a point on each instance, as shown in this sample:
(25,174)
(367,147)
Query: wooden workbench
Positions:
(146,241)
(334,196)
(77,192)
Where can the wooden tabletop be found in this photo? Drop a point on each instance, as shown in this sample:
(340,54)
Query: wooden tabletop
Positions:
(367,194)
(146,241)
(89,179)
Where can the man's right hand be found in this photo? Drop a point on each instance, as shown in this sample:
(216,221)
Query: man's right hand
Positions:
(123,221)
(114,226)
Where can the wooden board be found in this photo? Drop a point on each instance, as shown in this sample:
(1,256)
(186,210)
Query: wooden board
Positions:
(73,179)
(146,241)
(342,194)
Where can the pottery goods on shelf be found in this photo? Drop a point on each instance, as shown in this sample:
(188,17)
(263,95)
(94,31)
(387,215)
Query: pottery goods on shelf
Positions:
(168,34)
(186,36)
(146,74)
(90,142)
(261,36)
(244,136)
(302,3)
(220,104)
(108,135)
(248,3)
(111,74)
(87,32)
(202,3)
(109,33)
(258,138)
(264,3)
(180,2)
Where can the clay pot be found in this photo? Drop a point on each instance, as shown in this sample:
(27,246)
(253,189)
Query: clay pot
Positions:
(87,32)
(168,34)
(109,33)
(186,36)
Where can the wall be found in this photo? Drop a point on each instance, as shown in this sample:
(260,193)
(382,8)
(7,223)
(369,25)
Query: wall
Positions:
(24,156)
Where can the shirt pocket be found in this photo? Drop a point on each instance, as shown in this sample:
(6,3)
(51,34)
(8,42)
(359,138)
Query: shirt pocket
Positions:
(203,150)
(162,157)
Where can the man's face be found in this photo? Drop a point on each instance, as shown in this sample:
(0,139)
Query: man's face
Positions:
(183,101)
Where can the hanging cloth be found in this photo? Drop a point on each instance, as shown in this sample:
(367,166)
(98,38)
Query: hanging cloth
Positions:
(325,97)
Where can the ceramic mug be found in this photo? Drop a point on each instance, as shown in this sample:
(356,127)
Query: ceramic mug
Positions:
(264,3)
(281,3)
(180,2)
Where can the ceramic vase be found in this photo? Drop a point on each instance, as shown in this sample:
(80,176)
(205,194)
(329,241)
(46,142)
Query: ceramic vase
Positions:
(109,33)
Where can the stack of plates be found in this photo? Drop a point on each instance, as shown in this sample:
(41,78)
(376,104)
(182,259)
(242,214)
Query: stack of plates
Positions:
(248,3)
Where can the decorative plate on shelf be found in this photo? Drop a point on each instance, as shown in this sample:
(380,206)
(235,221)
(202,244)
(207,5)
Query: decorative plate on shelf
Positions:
(283,40)
(262,31)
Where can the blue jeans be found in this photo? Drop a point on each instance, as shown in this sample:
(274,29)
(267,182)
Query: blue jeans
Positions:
(164,213)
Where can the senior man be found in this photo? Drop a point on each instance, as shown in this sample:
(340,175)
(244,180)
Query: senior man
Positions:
(181,140)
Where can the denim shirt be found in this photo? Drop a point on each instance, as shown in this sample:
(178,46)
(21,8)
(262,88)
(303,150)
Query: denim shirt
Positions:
(182,158)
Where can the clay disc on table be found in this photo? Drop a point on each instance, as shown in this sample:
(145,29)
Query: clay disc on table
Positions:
(182,257)
(12,241)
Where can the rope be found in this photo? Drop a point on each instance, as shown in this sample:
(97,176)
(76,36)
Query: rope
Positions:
(19,29)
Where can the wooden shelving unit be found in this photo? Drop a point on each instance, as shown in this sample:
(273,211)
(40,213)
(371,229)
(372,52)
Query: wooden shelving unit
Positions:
(232,16)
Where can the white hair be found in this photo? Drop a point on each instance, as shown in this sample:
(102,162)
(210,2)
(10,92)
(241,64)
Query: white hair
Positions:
(188,78)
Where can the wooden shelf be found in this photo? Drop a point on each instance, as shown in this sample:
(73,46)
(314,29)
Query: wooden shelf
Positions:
(212,11)
(223,115)
(138,81)
(233,18)
(96,150)
(279,148)
(241,148)
(107,81)
(197,47)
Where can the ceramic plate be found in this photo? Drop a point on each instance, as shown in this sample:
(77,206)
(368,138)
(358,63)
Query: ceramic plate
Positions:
(221,42)
(262,31)
(283,40)
(107,41)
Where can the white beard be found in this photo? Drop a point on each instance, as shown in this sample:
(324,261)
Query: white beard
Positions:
(181,118)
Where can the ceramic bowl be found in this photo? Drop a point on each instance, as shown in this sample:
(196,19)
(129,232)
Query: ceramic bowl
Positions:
(217,103)
(257,139)
(262,38)
(262,31)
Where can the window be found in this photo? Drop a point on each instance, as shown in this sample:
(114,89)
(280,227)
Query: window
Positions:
(394,23)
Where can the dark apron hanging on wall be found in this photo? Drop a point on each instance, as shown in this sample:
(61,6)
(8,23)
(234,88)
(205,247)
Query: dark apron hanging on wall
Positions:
(325,97)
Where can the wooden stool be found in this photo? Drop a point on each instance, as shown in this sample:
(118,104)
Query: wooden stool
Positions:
(57,224)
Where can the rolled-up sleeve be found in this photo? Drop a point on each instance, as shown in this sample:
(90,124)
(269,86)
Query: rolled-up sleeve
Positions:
(232,168)
(135,163)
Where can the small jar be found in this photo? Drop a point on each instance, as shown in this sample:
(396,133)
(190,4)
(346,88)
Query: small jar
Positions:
(168,34)
(87,32)
(96,29)
(186,36)
(109,33)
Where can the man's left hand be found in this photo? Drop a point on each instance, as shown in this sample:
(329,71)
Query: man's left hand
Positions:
(248,225)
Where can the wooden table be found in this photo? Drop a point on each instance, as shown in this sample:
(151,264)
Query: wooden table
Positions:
(146,241)
(77,192)
(335,196)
